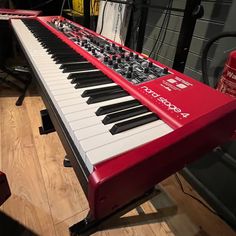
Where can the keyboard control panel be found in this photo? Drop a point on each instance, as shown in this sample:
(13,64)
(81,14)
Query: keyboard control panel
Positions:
(132,66)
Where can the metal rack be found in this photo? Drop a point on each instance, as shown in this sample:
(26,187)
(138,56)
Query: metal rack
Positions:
(192,11)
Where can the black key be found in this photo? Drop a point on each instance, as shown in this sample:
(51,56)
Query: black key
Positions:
(78,67)
(130,124)
(106,96)
(79,63)
(85,75)
(90,92)
(87,79)
(116,107)
(65,54)
(61,60)
(94,82)
(56,50)
(117,116)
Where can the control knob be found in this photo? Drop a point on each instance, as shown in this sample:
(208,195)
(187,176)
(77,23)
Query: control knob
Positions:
(110,62)
(115,66)
(165,70)
(105,59)
(150,64)
(129,74)
(130,68)
(146,70)
(127,58)
(118,60)
(122,55)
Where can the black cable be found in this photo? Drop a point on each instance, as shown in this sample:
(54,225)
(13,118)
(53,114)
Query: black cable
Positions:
(162,25)
(135,32)
(205,78)
(71,11)
(92,5)
(103,14)
(120,7)
(195,198)
(166,27)
(62,7)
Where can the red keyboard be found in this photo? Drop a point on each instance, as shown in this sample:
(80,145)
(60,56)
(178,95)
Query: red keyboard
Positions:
(6,14)
(126,121)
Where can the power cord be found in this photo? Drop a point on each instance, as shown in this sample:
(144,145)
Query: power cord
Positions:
(162,25)
(62,7)
(166,27)
(70,8)
(103,15)
(195,198)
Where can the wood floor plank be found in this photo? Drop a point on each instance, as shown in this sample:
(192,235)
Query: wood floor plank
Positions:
(65,194)
(28,203)
(206,221)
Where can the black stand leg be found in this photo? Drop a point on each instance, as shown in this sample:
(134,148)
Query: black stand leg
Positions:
(21,98)
(47,125)
(84,227)
(89,226)
(66,162)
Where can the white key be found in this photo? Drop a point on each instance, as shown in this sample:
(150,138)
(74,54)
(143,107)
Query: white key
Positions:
(91,131)
(112,149)
(90,111)
(107,137)
(91,121)
(79,105)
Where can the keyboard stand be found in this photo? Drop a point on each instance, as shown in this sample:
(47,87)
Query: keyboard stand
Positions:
(66,162)
(47,125)
(89,226)
(24,81)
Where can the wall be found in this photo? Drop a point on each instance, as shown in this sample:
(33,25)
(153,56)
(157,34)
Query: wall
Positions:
(216,18)
(206,173)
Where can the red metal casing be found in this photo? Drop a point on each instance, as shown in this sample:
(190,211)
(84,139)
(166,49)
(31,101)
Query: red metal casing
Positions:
(201,118)
(18,13)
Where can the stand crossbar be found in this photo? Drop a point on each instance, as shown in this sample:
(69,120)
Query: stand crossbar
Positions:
(88,225)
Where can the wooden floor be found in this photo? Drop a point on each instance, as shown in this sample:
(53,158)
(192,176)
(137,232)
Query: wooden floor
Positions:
(47,198)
